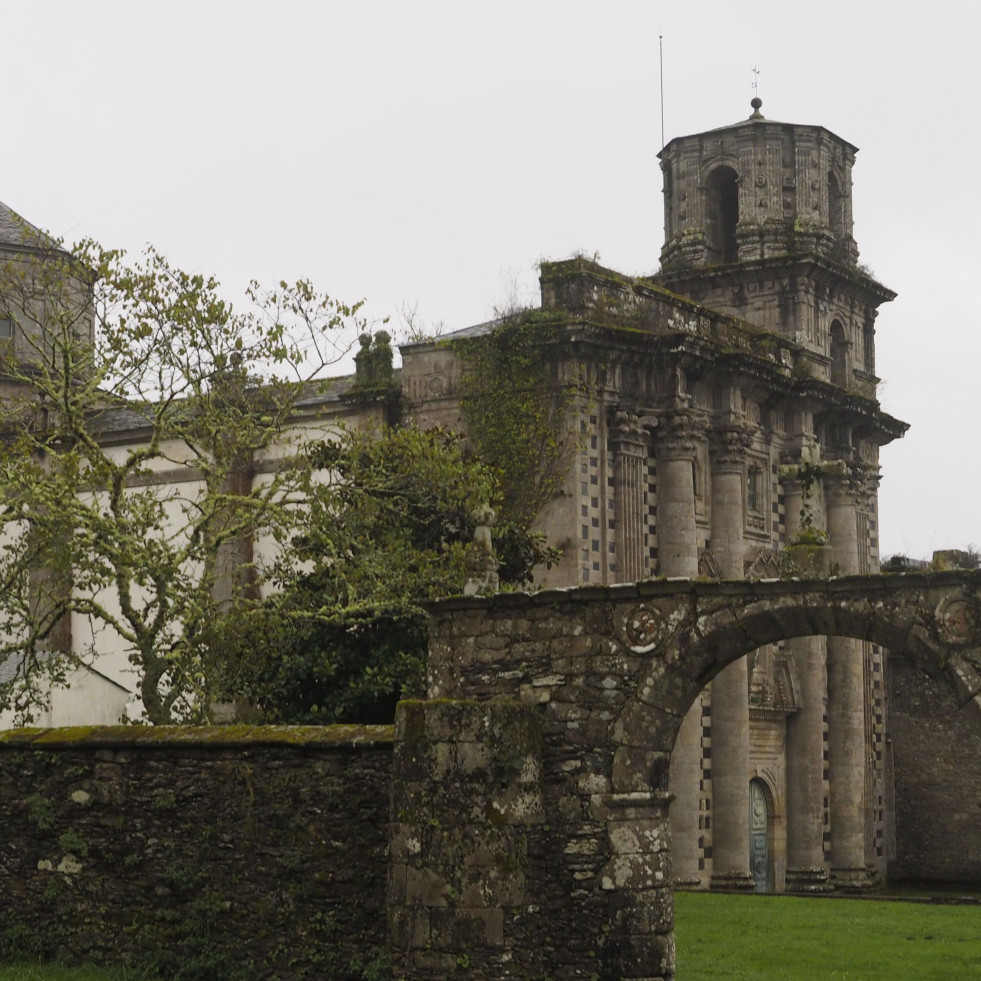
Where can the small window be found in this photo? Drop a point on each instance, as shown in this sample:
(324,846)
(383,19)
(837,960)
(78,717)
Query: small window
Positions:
(754,489)
(6,329)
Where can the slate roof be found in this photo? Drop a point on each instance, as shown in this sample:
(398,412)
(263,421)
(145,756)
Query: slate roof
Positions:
(15,230)
(9,669)
(477,330)
(126,419)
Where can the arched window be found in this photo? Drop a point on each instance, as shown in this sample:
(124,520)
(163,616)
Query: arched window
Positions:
(839,355)
(722,214)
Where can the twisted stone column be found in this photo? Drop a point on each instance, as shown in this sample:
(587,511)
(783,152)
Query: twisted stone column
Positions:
(846,707)
(806,869)
(679,435)
(730,689)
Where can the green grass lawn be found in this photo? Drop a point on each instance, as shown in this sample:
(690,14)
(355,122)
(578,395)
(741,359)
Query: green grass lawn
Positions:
(782,938)
(774,938)
(51,972)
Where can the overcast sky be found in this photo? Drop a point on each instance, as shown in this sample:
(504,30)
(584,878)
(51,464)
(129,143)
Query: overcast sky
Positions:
(426,154)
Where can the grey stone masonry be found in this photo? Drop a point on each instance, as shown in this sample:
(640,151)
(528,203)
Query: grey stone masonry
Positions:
(608,673)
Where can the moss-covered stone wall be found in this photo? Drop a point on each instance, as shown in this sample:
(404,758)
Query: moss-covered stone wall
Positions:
(470,848)
(234,852)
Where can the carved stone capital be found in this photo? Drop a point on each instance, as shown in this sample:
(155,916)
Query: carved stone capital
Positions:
(845,485)
(728,447)
(628,433)
(680,433)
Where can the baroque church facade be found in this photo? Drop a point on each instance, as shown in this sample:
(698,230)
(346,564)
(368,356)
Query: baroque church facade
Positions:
(723,424)
(730,411)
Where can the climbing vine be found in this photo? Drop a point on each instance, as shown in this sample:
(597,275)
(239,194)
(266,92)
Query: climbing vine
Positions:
(516,409)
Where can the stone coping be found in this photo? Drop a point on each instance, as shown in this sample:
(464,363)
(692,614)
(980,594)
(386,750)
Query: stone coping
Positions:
(675,586)
(214,737)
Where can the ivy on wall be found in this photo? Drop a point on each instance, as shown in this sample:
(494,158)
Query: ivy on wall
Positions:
(516,405)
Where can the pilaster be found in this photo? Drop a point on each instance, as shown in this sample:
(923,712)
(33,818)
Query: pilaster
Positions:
(629,442)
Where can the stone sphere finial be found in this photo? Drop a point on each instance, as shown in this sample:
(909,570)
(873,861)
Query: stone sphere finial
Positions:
(757,103)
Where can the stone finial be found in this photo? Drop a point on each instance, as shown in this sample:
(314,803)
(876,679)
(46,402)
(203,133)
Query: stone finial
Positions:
(373,366)
(382,358)
(757,103)
(362,361)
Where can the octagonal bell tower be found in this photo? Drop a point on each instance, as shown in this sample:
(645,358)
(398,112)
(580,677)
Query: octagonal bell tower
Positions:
(758,224)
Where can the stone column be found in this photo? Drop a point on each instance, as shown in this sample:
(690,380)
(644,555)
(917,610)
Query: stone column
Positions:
(630,496)
(846,707)
(678,437)
(730,689)
(806,870)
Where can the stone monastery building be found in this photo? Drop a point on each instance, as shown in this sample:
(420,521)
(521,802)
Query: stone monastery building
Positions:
(731,410)
(724,409)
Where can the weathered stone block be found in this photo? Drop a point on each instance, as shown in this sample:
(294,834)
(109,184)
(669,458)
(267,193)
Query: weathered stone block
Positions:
(638,769)
(425,887)
(408,927)
(639,724)
(463,930)
(643,911)
(644,955)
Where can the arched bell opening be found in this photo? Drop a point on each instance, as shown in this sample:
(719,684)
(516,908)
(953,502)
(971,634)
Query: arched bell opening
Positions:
(722,212)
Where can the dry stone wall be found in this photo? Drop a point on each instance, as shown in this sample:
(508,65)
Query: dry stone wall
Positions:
(230,853)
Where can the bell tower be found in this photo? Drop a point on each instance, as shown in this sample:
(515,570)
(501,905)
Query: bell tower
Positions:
(758,224)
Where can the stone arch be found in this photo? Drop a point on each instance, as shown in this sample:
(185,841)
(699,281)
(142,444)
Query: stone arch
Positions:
(939,626)
(599,680)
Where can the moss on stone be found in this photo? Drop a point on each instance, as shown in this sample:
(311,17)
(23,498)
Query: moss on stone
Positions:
(339,736)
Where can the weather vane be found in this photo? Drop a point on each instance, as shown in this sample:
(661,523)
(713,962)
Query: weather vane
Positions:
(756,81)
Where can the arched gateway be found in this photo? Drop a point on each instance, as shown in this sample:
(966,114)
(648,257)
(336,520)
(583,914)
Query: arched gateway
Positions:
(530,833)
